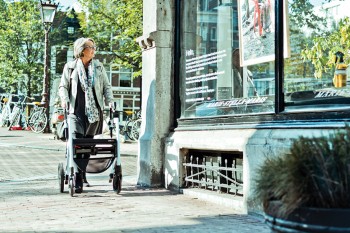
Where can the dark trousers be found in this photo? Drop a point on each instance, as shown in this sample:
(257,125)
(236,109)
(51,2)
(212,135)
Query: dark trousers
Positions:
(82,128)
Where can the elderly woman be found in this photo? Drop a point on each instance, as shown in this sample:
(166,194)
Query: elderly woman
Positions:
(84,90)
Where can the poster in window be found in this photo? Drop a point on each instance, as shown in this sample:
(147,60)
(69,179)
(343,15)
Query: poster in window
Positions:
(257,31)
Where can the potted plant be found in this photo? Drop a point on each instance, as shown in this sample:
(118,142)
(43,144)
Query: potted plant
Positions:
(308,189)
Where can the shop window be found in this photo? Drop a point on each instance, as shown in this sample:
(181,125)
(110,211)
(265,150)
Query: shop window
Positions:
(309,82)
(222,79)
(235,73)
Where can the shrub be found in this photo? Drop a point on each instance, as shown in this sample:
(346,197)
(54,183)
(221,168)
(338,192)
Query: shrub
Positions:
(316,173)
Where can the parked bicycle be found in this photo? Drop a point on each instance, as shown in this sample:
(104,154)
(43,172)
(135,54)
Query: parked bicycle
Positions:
(136,126)
(129,128)
(18,113)
(125,126)
(6,102)
(37,119)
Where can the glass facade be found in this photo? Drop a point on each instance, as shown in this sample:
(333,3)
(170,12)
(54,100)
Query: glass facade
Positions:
(227,63)
(311,71)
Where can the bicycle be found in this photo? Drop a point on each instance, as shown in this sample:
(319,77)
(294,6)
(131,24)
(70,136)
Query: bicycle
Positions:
(136,126)
(37,120)
(129,128)
(5,110)
(18,113)
(125,128)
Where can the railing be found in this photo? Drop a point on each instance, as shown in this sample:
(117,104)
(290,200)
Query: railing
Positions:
(214,173)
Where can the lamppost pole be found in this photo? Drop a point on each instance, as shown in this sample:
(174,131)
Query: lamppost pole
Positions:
(46,82)
(47,10)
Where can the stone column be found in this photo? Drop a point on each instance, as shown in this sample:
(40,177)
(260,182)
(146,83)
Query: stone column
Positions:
(157,89)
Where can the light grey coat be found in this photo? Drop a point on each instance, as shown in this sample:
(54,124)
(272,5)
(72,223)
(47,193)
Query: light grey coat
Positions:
(101,85)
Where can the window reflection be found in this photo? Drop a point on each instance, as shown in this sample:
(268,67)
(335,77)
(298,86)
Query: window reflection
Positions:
(214,81)
(228,51)
(310,70)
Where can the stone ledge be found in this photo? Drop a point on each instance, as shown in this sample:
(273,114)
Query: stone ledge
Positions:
(230,201)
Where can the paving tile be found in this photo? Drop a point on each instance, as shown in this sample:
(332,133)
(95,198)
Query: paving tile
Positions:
(30,200)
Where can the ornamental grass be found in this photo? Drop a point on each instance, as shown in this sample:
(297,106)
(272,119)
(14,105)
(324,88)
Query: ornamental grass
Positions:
(316,173)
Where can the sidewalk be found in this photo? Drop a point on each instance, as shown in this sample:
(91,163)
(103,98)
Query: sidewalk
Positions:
(30,200)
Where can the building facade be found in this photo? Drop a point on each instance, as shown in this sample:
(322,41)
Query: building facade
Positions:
(227,84)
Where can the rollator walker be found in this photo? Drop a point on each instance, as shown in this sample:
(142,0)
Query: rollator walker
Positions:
(104,154)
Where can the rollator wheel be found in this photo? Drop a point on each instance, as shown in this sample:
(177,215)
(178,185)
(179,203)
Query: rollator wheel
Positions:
(117,179)
(71,186)
(117,183)
(61,177)
(71,183)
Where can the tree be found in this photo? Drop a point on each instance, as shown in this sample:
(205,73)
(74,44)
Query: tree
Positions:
(322,51)
(302,18)
(115,24)
(302,14)
(21,45)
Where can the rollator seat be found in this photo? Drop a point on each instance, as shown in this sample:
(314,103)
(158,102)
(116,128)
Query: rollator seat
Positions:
(102,153)
(94,146)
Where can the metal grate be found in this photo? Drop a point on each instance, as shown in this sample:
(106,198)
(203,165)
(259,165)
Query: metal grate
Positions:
(217,172)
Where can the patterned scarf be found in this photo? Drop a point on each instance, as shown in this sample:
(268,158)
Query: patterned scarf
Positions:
(86,83)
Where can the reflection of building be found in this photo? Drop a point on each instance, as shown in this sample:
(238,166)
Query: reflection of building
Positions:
(209,15)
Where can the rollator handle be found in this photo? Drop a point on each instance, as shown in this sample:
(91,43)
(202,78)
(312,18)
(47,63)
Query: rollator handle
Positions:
(111,123)
(65,124)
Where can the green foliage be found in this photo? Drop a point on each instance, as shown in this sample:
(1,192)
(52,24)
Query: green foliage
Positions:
(115,25)
(301,14)
(321,53)
(21,36)
(316,173)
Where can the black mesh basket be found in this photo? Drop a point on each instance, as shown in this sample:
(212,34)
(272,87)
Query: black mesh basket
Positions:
(94,165)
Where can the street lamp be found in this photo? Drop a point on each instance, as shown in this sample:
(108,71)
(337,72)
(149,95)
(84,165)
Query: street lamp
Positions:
(47,11)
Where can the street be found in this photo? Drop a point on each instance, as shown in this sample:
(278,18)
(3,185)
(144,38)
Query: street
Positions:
(30,200)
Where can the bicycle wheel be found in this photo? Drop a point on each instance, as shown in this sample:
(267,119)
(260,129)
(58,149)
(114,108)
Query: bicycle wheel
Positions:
(117,179)
(38,122)
(135,129)
(128,128)
(14,118)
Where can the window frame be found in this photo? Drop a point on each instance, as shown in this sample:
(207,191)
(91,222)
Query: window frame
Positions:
(281,118)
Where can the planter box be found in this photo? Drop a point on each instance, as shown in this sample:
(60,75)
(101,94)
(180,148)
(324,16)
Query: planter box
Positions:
(317,220)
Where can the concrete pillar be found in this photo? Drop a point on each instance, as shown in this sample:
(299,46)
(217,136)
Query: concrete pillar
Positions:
(157,89)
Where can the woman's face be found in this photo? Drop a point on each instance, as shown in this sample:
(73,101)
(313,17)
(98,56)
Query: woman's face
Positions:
(89,51)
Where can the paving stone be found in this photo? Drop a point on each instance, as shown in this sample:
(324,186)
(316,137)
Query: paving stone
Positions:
(30,200)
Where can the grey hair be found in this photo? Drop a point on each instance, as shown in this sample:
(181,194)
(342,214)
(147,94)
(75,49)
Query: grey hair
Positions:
(79,46)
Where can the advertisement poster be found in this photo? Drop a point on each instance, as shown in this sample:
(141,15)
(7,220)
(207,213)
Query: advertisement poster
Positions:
(257,31)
